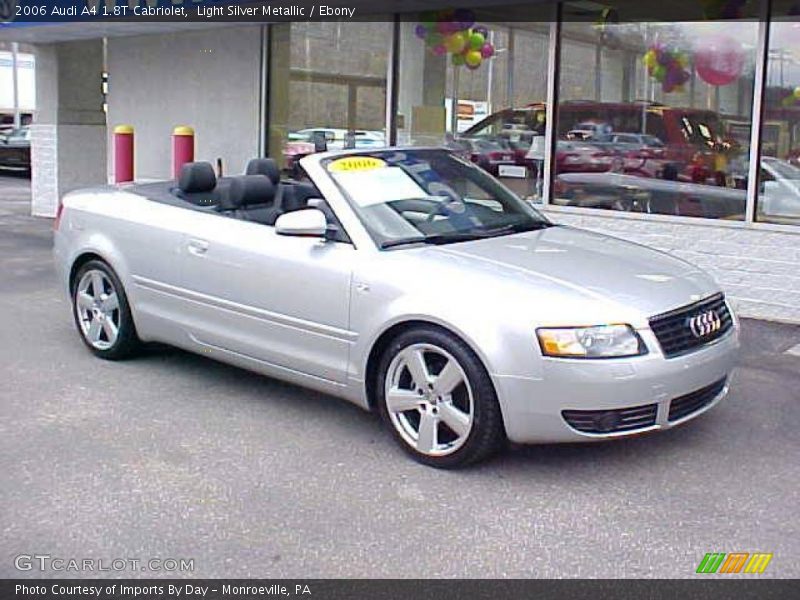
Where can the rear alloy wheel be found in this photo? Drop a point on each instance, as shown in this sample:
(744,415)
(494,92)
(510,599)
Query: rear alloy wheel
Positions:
(438,399)
(102,313)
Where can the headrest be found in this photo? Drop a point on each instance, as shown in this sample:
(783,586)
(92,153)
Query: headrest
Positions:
(246,190)
(197,177)
(297,195)
(264,166)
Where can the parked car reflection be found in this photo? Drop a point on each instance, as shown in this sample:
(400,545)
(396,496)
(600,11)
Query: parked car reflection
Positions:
(779,196)
(15,150)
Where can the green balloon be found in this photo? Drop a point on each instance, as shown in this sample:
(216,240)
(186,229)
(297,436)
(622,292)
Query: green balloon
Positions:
(476,41)
(660,72)
(457,59)
(435,39)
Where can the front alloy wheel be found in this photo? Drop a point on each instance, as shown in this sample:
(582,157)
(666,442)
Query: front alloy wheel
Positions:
(429,399)
(437,398)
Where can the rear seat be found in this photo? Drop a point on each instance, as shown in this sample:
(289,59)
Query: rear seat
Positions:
(197,184)
(269,169)
(251,198)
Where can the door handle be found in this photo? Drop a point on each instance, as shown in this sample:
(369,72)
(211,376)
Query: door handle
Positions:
(198,247)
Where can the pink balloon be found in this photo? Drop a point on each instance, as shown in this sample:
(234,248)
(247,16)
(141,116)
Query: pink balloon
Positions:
(718,59)
(487,51)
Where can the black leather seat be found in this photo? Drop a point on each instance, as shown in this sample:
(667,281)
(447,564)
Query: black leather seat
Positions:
(251,198)
(264,166)
(269,168)
(296,195)
(198,184)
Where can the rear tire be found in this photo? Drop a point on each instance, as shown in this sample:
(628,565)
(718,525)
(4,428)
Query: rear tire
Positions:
(102,313)
(437,399)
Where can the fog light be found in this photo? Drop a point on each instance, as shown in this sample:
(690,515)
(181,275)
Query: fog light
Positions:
(607,421)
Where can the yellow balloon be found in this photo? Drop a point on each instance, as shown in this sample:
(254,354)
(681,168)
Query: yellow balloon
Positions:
(473,58)
(650,59)
(797,92)
(455,42)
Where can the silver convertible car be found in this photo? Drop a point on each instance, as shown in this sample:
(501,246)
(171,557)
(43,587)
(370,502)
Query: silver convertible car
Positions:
(410,282)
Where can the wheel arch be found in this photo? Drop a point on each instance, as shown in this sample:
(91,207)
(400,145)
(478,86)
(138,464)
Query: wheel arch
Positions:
(79,261)
(385,338)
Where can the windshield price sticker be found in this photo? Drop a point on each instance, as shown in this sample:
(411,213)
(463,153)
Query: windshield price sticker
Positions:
(356,163)
(379,186)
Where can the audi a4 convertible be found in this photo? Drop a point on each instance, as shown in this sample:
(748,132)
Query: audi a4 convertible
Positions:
(410,282)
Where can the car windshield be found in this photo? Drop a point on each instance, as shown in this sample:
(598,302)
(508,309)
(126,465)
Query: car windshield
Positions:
(428,196)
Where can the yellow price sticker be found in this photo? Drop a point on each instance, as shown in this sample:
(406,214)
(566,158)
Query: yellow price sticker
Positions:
(356,163)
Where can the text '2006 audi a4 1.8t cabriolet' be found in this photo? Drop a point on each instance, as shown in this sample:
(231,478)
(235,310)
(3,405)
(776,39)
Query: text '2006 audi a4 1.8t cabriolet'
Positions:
(410,282)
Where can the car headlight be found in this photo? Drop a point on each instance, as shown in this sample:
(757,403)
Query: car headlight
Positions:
(601,341)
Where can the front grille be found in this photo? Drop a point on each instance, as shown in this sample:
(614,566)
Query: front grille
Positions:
(611,421)
(686,405)
(677,333)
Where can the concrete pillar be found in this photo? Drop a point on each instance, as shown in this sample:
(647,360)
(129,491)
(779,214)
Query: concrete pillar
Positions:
(68,138)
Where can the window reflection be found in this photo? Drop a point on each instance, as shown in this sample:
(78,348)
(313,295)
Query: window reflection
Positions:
(662,123)
(328,87)
(491,114)
(779,172)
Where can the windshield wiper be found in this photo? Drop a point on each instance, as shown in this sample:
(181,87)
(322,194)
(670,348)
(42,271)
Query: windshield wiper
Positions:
(417,239)
(464,236)
(437,238)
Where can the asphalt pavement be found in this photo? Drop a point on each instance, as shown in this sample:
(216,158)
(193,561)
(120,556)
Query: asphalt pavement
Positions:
(173,456)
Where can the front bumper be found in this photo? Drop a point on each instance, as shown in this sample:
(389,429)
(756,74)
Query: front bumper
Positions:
(533,408)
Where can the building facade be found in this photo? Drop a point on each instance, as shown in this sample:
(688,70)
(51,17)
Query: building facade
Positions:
(679,134)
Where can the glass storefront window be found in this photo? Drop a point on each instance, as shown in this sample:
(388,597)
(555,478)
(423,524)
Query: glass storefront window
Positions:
(779,172)
(490,113)
(327,87)
(654,117)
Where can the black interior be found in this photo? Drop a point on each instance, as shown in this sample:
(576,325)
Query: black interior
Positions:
(260,195)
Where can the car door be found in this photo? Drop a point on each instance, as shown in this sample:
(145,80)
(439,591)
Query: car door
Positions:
(280,300)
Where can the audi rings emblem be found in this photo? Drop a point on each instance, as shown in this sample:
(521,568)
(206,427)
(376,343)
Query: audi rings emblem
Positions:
(705,323)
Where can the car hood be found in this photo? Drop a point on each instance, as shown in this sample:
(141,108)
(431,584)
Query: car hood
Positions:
(580,266)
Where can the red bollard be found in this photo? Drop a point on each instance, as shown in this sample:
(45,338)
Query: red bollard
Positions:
(182,148)
(123,153)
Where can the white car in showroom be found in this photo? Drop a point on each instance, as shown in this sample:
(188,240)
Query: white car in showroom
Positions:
(410,282)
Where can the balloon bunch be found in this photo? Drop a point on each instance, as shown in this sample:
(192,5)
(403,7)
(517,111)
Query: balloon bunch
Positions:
(667,66)
(455,32)
(792,98)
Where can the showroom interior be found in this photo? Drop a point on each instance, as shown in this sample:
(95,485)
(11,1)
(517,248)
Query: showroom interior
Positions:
(680,134)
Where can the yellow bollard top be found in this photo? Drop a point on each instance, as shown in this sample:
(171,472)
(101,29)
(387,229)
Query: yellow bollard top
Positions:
(183,130)
(123,129)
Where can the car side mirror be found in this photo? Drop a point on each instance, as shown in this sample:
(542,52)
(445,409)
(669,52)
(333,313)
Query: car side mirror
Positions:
(309,222)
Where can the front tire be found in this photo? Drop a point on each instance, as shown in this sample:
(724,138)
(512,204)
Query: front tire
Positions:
(102,313)
(437,399)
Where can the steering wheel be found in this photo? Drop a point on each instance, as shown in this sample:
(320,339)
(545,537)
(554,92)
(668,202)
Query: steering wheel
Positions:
(445,208)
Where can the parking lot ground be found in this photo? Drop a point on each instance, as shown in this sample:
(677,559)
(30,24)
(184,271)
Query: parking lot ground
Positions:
(174,456)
